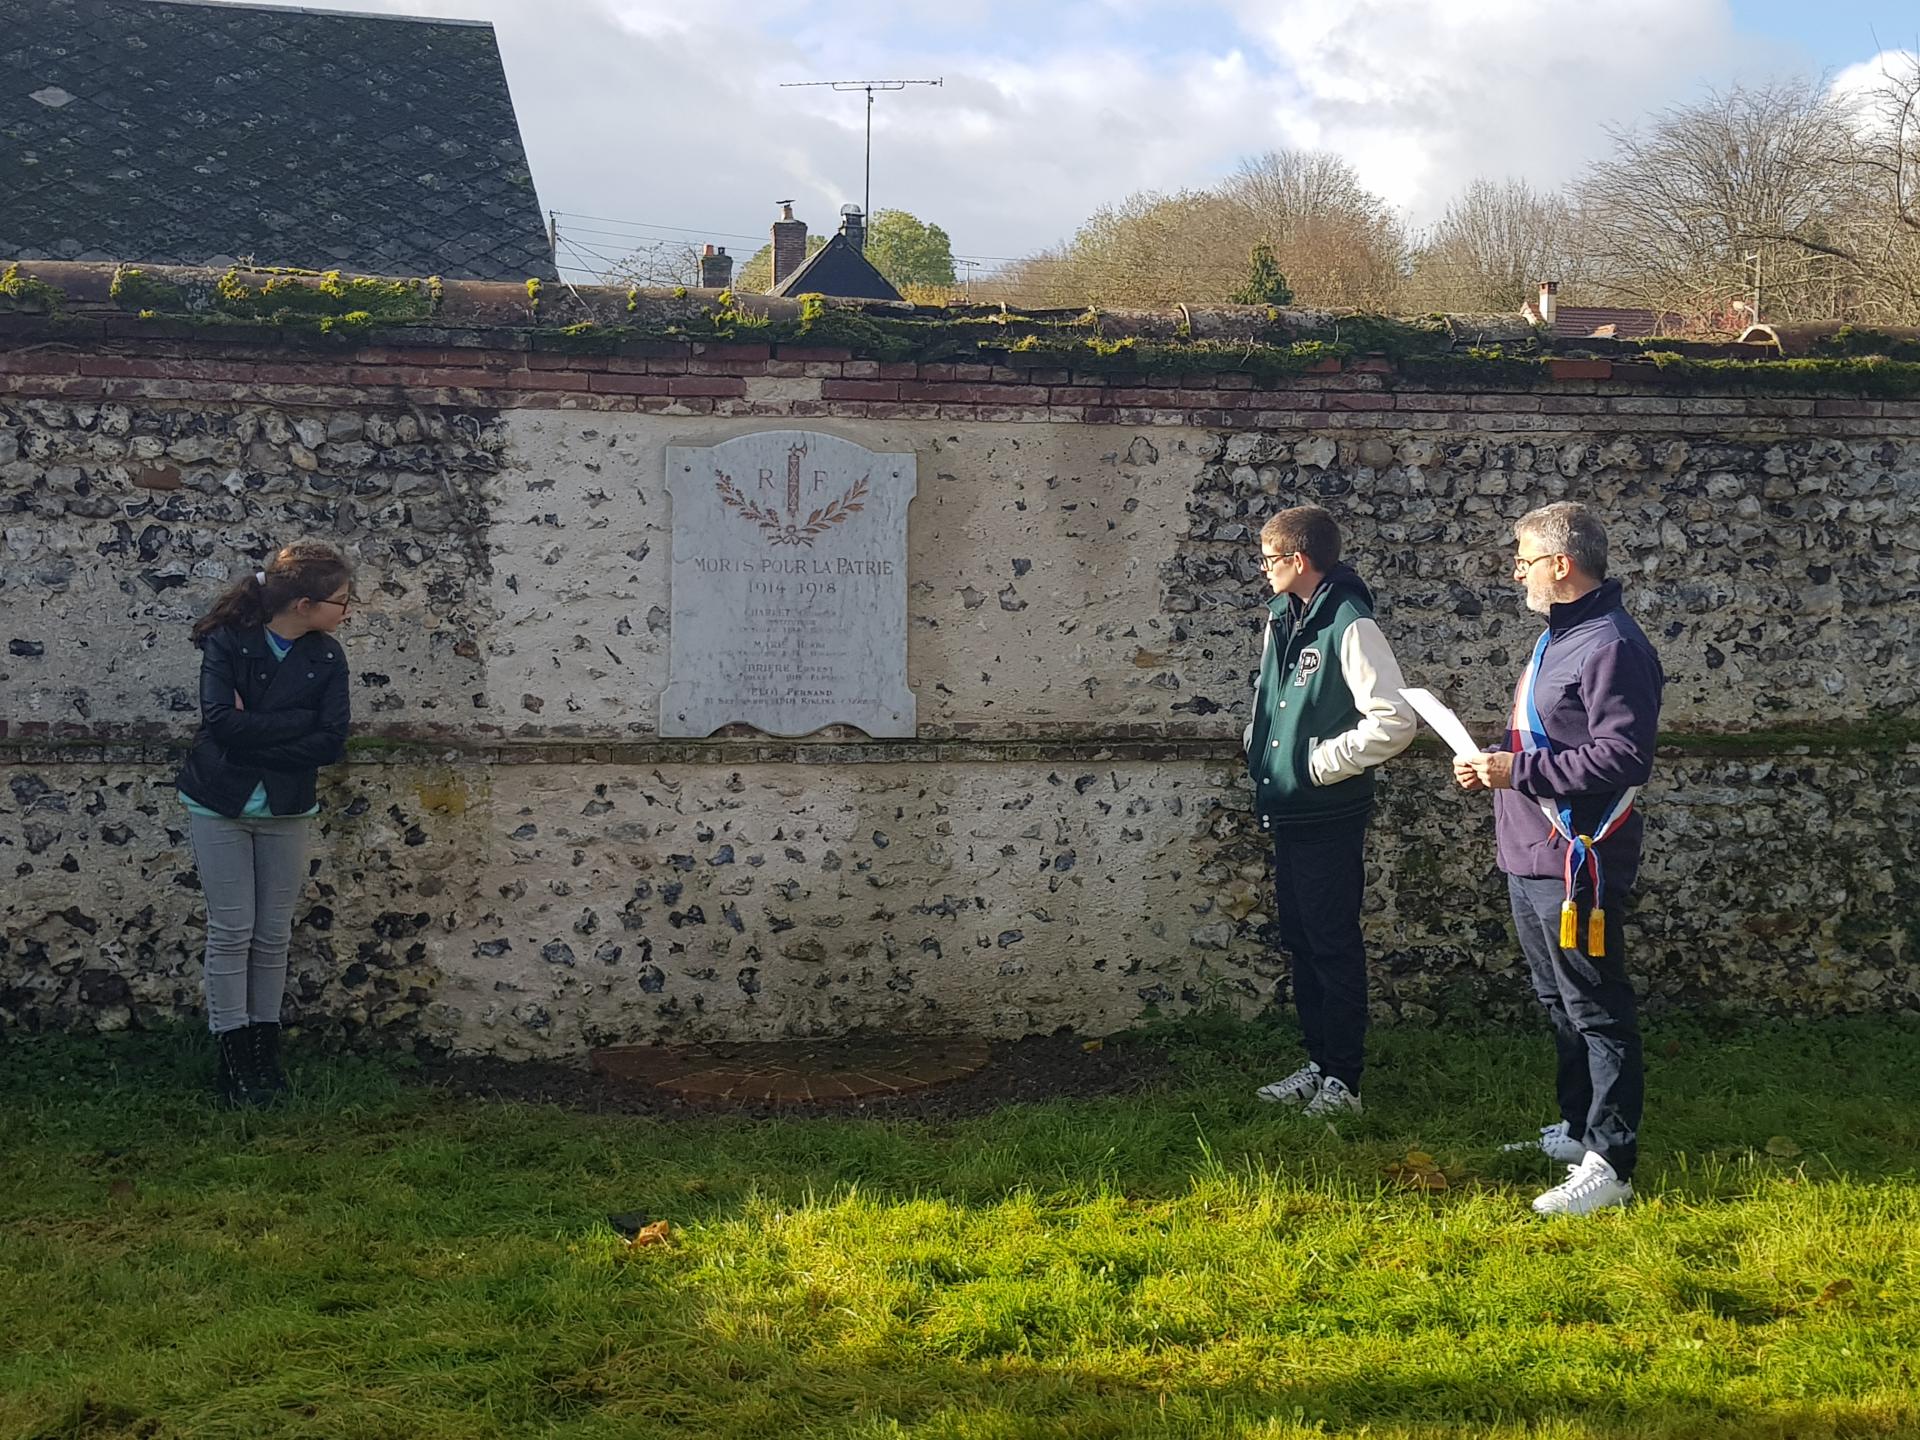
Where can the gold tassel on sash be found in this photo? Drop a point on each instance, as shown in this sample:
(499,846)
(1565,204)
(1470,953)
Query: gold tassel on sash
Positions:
(1596,932)
(1569,925)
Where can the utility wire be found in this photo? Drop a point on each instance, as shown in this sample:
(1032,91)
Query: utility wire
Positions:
(643,226)
(1047,278)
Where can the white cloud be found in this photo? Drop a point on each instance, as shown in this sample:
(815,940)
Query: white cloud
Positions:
(1423,95)
(669,112)
(1858,86)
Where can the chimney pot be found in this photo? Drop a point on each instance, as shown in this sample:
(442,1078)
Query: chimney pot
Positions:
(789,243)
(716,269)
(853,225)
(1549,300)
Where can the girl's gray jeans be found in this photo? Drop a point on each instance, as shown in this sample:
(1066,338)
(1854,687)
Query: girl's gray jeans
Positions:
(251,871)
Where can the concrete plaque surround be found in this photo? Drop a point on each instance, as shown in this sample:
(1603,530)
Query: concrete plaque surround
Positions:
(789,586)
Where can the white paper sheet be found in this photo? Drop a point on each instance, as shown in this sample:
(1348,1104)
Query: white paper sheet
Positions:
(1444,722)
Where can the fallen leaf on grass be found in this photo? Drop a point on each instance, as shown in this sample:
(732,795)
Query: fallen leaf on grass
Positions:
(1418,1171)
(121,1190)
(655,1234)
(1781,1148)
(629,1222)
(1092,1046)
(1417,1179)
(1835,1290)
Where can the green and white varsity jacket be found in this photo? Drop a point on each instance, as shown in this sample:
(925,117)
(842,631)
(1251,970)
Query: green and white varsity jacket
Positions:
(1327,708)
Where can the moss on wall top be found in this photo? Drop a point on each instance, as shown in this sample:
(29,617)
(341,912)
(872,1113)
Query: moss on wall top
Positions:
(1263,342)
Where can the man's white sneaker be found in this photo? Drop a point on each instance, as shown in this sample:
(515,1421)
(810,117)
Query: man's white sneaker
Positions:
(1591,1185)
(1297,1089)
(1334,1099)
(1555,1142)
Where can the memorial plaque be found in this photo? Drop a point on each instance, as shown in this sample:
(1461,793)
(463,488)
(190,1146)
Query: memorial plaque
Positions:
(789,586)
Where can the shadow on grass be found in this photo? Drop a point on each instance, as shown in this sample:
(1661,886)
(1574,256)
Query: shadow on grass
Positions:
(380,1259)
(742,1396)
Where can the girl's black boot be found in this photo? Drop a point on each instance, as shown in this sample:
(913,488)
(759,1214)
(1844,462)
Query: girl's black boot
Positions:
(271,1079)
(236,1083)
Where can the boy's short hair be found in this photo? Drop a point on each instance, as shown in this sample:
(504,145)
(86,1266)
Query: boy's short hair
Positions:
(1308,529)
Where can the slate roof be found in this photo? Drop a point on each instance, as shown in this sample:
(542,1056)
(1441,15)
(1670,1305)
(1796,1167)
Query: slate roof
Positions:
(193,132)
(838,268)
(1581,322)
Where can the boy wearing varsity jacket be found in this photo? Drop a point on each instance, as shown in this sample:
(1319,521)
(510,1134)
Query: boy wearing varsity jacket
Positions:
(1327,711)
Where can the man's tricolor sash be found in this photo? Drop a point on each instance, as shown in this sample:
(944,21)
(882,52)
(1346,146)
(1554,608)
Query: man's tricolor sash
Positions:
(1526,732)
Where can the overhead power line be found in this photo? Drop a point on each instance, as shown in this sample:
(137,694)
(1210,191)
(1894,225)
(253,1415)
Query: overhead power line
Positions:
(614,245)
(643,229)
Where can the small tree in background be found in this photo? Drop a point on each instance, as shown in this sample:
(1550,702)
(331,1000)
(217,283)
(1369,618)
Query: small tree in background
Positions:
(1497,241)
(908,250)
(1265,284)
(659,265)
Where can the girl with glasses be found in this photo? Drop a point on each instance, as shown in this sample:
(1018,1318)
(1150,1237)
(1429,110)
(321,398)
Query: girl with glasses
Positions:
(273,709)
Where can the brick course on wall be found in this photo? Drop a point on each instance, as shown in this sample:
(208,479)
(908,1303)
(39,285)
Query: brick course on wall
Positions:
(514,862)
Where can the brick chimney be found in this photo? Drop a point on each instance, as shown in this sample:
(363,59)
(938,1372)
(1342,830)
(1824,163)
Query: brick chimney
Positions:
(789,242)
(1549,301)
(853,225)
(716,269)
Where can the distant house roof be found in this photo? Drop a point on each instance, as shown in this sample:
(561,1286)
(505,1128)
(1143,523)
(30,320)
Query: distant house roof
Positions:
(838,268)
(1584,322)
(194,132)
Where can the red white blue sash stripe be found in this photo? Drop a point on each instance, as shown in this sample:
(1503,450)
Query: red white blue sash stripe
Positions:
(1526,732)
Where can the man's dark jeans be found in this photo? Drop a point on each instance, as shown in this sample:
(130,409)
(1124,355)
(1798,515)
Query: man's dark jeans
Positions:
(1596,1029)
(1319,872)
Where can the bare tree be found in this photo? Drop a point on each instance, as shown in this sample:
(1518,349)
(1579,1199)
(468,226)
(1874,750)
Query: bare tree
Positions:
(1337,243)
(1493,246)
(660,264)
(1671,217)
(1883,246)
(1149,249)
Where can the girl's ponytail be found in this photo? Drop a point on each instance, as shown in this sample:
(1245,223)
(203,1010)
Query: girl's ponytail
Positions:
(239,607)
(304,570)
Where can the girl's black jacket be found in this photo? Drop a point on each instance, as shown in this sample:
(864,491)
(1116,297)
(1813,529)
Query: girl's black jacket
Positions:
(294,720)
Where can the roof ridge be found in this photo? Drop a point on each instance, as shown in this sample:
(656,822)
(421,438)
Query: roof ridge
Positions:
(314,10)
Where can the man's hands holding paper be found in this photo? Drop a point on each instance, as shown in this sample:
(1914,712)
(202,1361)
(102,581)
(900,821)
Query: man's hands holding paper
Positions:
(1473,768)
(1488,770)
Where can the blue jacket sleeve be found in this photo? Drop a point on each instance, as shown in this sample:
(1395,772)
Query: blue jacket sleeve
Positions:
(1620,687)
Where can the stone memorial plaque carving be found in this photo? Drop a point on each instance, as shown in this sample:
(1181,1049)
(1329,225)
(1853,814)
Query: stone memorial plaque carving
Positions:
(789,586)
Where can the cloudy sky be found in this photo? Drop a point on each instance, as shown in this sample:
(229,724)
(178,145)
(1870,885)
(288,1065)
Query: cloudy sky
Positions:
(668,116)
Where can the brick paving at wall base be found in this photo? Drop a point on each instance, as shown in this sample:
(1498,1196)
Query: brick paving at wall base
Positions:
(793,1072)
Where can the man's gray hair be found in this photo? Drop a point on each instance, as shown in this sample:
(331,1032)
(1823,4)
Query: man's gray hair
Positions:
(1571,529)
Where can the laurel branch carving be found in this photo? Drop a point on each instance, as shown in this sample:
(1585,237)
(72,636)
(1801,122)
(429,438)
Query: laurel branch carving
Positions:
(782,531)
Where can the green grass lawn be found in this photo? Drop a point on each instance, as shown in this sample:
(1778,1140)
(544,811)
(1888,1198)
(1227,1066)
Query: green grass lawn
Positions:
(382,1260)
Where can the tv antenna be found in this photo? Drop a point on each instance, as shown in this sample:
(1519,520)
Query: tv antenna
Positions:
(869,86)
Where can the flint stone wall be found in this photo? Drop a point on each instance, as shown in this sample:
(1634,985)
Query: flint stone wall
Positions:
(515,862)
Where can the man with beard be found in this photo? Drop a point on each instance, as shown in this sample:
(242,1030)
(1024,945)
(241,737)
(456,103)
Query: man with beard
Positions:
(1579,747)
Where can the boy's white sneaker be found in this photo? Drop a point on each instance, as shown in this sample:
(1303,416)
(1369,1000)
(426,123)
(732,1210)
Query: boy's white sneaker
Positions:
(1555,1142)
(1297,1089)
(1591,1185)
(1333,1099)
